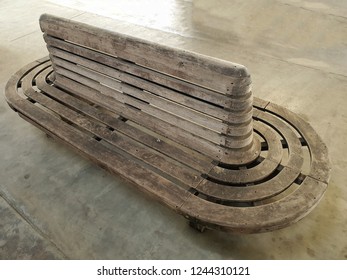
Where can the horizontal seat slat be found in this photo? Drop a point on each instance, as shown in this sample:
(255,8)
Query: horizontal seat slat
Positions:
(175,133)
(154,100)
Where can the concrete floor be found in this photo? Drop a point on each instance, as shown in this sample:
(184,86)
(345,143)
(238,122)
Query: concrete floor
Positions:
(56,205)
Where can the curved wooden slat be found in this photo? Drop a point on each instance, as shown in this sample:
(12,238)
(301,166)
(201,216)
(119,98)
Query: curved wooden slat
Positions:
(260,171)
(273,216)
(320,167)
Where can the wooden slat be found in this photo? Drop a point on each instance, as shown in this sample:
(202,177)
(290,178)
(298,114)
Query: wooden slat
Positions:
(148,181)
(135,74)
(139,71)
(320,167)
(155,113)
(259,172)
(294,145)
(196,162)
(272,216)
(243,176)
(137,92)
(119,141)
(167,130)
(201,70)
(275,185)
(284,130)
(258,192)
(185,119)
(237,133)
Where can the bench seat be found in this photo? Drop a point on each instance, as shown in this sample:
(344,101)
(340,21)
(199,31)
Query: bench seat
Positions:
(198,142)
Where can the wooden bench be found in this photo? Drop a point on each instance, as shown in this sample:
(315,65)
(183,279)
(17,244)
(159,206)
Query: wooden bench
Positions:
(181,126)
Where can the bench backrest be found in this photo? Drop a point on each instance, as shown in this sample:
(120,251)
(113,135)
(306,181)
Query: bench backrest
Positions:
(197,101)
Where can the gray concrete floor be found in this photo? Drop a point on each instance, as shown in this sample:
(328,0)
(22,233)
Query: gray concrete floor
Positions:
(56,205)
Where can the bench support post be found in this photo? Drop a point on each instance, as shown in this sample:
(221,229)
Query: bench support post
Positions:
(242,146)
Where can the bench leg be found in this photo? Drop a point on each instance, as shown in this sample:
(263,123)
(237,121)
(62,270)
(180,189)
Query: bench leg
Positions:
(49,136)
(197,226)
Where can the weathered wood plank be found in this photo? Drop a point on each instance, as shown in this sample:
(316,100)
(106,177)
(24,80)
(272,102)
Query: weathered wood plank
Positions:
(260,171)
(272,216)
(294,145)
(139,91)
(175,133)
(156,114)
(202,70)
(186,94)
(251,193)
(165,191)
(197,162)
(158,107)
(239,129)
(320,167)
(169,167)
